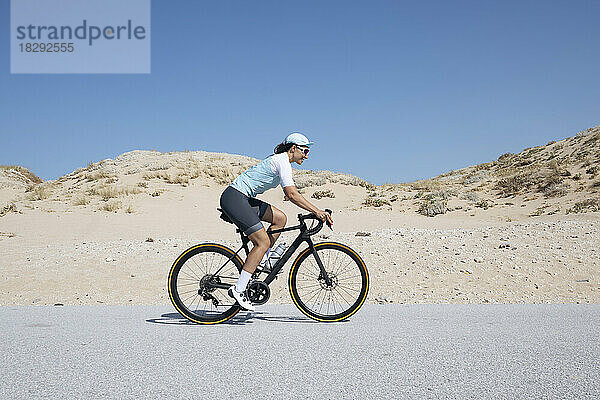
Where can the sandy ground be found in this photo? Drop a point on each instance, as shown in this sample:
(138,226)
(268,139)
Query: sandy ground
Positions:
(83,256)
(62,241)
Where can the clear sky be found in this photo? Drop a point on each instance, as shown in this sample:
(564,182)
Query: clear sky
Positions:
(391,91)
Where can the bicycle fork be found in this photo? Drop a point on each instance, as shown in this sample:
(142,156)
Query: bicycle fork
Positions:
(323,273)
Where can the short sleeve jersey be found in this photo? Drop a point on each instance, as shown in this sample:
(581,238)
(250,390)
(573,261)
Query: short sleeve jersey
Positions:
(269,173)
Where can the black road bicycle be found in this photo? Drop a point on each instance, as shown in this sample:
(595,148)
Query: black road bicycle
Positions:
(328,281)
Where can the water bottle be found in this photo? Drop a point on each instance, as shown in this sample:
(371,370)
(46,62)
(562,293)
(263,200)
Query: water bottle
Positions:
(277,253)
(274,255)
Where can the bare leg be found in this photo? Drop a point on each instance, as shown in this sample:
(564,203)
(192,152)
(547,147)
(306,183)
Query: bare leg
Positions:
(278,219)
(261,242)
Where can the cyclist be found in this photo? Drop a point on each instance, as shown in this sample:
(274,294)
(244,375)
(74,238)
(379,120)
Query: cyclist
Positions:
(240,204)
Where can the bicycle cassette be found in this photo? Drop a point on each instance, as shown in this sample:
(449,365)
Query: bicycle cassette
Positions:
(258,292)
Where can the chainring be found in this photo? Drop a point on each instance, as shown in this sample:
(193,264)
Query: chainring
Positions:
(258,292)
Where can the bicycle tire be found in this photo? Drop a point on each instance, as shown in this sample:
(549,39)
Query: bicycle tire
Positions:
(187,279)
(350,282)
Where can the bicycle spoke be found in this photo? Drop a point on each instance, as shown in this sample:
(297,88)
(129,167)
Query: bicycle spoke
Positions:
(191,276)
(340,292)
(194,261)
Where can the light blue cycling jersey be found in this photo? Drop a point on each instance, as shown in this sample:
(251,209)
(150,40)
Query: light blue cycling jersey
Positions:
(269,173)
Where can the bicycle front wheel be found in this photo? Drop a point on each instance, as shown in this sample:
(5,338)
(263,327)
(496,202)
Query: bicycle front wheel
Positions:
(198,285)
(346,292)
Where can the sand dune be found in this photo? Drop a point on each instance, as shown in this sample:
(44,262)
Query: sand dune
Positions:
(524,228)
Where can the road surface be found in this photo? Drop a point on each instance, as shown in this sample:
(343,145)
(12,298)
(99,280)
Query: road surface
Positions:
(383,352)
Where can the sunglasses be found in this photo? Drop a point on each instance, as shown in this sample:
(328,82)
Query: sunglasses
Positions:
(304,150)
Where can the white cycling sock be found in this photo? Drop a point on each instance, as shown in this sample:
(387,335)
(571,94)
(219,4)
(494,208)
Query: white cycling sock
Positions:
(242,281)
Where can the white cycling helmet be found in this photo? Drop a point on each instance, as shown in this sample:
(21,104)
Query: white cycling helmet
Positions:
(298,138)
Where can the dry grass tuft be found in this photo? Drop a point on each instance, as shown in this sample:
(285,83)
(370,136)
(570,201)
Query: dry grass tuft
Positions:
(81,201)
(428,185)
(97,175)
(221,174)
(38,192)
(111,206)
(22,173)
(110,192)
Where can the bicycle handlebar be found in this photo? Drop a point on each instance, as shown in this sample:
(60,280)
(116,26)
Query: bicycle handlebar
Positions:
(316,229)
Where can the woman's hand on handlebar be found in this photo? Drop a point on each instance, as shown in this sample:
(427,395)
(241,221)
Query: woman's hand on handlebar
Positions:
(325,217)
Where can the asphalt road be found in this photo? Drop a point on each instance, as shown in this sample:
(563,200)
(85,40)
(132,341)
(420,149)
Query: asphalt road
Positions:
(383,352)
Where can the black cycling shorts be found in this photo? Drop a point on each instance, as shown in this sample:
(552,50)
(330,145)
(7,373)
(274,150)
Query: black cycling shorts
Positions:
(245,212)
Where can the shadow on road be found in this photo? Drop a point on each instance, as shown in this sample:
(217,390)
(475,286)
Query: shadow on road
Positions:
(242,318)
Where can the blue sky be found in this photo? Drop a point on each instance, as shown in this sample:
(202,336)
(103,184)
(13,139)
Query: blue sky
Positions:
(391,91)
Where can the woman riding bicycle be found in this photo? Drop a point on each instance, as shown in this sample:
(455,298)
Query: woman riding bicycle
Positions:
(240,204)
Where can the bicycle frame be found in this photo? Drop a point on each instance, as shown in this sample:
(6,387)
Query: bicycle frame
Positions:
(304,236)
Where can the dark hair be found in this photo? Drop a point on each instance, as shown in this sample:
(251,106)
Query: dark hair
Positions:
(282,147)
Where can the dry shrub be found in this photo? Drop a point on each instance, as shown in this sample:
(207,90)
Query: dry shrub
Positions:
(375,202)
(353,181)
(444,194)
(309,179)
(485,204)
(593,138)
(551,184)
(505,158)
(514,184)
(433,207)
(506,171)
(8,208)
(476,177)
(319,194)
(470,196)
(587,205)
(130,209)
(485,166)
(557,189)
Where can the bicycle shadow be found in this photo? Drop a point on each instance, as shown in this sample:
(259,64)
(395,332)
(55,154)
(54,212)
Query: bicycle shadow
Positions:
(242,318)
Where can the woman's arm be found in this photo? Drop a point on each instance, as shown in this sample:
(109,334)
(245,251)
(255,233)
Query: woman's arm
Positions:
(295,197)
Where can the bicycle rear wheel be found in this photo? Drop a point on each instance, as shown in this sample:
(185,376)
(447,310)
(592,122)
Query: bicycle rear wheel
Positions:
(349,282)
(194,288)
